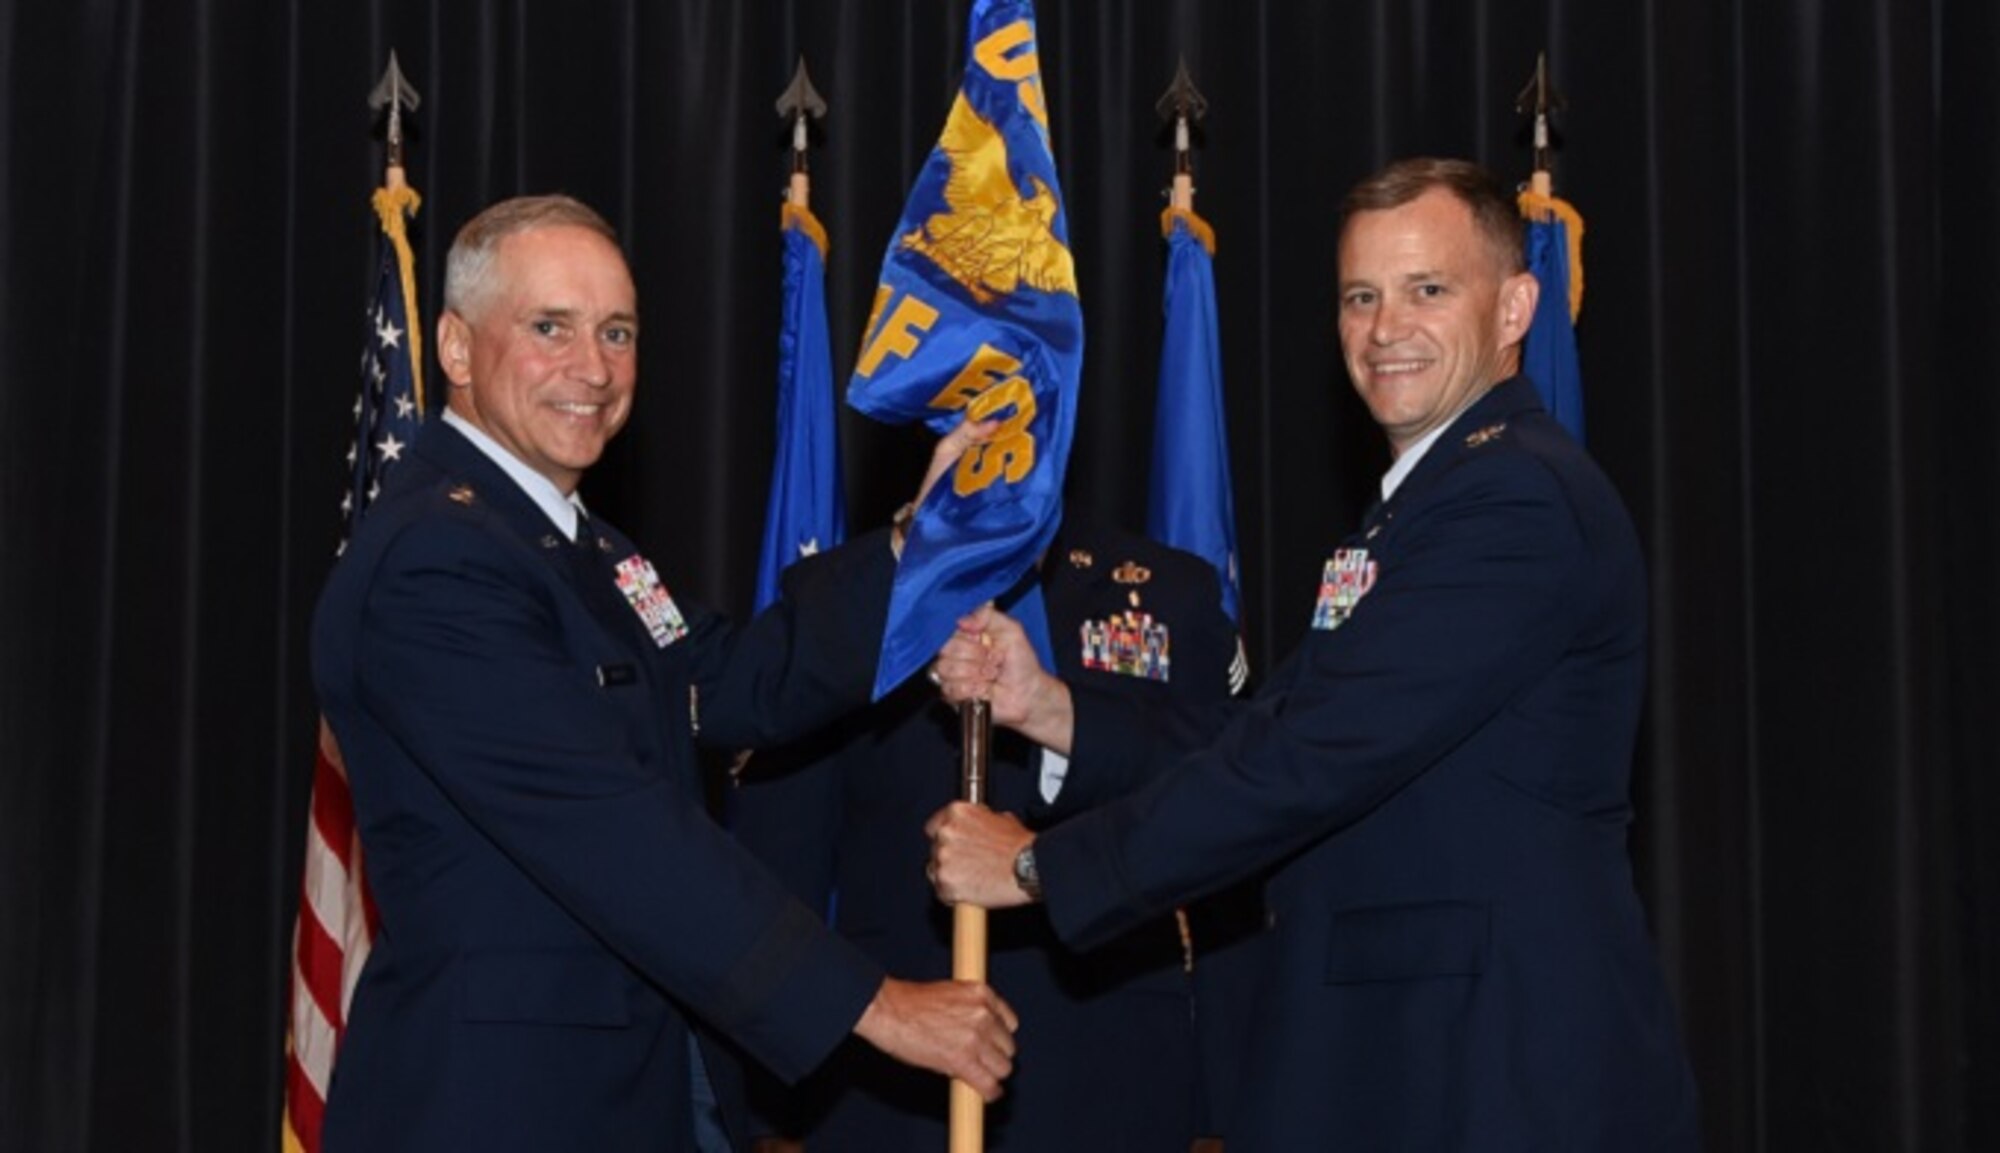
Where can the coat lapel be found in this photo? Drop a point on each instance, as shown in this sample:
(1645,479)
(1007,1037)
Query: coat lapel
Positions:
(585,565)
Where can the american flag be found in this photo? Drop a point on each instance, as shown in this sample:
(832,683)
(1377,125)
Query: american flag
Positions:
(336,922)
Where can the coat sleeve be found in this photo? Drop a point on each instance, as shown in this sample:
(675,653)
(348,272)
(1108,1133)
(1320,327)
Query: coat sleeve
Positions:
(808,658)
(1478,602)
(786,808)
(462,660)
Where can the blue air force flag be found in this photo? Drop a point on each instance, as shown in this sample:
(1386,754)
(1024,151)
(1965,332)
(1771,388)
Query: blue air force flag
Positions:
(977,317)
(1548,355)
(1189,505)
(806,512)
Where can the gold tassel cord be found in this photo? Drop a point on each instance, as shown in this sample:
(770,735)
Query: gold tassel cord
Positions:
(394,206)
(1548,208)
(793,216)
(1196,225)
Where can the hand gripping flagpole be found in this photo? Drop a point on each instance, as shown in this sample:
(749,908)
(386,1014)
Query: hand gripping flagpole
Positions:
(968,921)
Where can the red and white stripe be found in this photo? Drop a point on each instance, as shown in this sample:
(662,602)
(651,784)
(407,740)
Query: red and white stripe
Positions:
(329,946)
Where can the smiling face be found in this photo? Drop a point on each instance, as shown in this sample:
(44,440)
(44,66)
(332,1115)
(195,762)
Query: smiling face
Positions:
(546,361)
(1430,317)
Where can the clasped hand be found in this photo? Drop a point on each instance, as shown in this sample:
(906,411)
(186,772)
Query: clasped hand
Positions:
(990,658)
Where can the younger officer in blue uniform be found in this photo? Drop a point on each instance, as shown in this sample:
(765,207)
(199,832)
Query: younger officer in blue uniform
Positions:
(1440,773)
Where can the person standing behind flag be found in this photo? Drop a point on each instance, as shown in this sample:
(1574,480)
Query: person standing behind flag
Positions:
(515,690)
(978,311)
(1439,776)
(1109,1055)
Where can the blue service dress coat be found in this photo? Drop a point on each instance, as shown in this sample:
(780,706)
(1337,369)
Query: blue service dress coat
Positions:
(1457,958)
(518,716)
(1107,1047)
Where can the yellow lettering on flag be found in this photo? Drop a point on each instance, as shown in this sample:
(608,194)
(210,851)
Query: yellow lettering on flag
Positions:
(992,55)
(987,365)
(898,334)
(989,383)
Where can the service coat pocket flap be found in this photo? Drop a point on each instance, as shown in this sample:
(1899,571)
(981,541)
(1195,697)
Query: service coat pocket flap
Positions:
(1407,942)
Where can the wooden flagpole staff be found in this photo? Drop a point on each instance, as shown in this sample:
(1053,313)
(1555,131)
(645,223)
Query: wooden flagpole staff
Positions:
(968,922)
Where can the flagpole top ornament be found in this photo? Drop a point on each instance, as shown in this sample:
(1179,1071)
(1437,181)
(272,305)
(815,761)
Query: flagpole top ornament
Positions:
(1182,99)
(1182,107)
(798,105)
(1538,101)
(395,93)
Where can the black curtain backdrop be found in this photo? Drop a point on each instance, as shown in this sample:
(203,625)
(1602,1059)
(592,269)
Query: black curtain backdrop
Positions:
(1787,358)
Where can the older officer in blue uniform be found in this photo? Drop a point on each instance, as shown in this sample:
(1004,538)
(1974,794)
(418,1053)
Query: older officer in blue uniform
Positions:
(517,694)
(1109,1059)
(1457,958)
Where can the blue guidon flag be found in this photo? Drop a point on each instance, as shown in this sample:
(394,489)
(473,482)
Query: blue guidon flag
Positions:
(1548,354)
(805,512)
(977,317)
(1189,505)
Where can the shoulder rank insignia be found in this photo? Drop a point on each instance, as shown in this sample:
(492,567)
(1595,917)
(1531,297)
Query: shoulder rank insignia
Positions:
(462,494)
(1081,558)
(1348,576)
(1475,439)
(649,598)
(1130,644)
(1131,573)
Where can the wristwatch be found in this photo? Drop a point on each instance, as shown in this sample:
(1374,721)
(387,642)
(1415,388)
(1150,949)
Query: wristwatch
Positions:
(1025,874)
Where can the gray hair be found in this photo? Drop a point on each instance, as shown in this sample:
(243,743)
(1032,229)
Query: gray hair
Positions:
(471,255)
